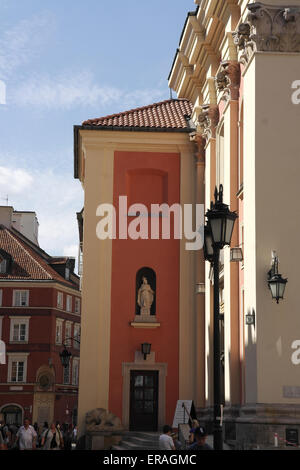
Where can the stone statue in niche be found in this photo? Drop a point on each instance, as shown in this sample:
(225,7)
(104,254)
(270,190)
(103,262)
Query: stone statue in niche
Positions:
(145,297)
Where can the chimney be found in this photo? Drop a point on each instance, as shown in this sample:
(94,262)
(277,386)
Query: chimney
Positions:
(6,214)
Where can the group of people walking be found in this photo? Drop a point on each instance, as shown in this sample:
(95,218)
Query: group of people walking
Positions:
(28,437)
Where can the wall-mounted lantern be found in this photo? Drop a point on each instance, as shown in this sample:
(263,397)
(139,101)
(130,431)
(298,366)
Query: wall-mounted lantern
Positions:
(275,281)
(146,349)
(236,255)
(250,318)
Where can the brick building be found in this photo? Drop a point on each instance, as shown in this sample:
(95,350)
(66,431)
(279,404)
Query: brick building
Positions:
(40,308)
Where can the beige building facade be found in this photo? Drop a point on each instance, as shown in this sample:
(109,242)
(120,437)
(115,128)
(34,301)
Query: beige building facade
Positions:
(238,64)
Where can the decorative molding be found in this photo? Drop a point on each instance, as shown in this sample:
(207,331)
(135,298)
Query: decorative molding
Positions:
(228,80)
(145,325)
(208,120)
(200,142)
(268,28)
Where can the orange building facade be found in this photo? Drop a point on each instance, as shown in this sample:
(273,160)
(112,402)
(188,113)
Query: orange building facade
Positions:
(149,164)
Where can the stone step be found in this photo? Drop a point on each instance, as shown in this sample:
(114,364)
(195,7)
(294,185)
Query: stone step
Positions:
(138,441)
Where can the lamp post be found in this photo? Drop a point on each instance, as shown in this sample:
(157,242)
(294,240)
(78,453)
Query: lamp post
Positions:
(220,223)
(65,355)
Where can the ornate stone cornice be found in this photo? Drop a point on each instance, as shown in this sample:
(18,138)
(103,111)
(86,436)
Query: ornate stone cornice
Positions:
(208,120)
(268,28)
(228,80)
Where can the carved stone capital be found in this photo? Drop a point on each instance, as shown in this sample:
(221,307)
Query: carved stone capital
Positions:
(268,28)
(228,80)
(208,120)
(200,142)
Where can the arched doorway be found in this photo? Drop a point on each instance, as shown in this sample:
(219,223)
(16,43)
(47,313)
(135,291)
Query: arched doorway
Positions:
(12,414)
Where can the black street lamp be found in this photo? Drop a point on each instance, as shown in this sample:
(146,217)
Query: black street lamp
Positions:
(66,355)
(220,223)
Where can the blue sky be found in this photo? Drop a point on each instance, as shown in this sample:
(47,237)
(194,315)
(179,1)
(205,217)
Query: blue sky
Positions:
(63,62)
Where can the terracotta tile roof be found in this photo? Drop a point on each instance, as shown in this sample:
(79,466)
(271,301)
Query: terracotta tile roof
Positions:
(169,114)
(28,263)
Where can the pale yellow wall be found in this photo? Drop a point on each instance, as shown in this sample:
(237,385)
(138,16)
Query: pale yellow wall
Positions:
(249,232)
(277,170)
(99,150)
(96,285)
(187,298)
(208,296)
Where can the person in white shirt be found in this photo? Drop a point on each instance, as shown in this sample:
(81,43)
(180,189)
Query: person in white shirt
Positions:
(165,440)
(26,436)
(52,438)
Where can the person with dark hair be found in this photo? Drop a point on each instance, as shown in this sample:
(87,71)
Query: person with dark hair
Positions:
(200,438)
(165,440)
(67,436)
(52,439)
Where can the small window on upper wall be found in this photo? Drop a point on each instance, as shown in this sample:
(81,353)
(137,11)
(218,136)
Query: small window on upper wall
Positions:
(69,303)
(60,300)
(67,274)
(20,298)
(3,266)
(77,305)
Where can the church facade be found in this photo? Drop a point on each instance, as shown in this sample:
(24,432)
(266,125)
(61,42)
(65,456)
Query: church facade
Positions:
(139,287)
(235,122)
(238,63)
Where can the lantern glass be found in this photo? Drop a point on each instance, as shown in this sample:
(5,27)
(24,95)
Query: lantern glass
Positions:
(216,225)
(208,244)
(236,254)
(229,230)
(146,348)
(277,285)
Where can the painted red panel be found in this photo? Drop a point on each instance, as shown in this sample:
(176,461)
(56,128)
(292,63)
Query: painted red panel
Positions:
(128,256)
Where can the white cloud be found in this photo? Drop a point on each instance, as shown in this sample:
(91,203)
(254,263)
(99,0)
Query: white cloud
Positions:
(14,181)
(24,41)
(71,250)
(55,197)
(69,90)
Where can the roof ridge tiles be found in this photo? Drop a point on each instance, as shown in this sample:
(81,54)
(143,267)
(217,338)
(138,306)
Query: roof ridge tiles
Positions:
(163,114)
(26,250)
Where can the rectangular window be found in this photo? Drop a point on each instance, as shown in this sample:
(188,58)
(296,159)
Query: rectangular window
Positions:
(17,371)
(68,333)
(75,372)
(69,303)
(58,335)
(19,329)
(77,305)
(3,266)
(20,298)
(17,367)
(60,300)
(67,374)
(19,332)
(76,336)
